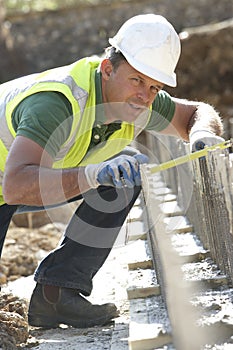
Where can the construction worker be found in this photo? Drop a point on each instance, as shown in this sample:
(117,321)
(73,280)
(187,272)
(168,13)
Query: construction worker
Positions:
(64,135)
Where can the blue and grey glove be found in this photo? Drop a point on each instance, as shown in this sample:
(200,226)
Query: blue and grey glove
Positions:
(201,138)
(119,172)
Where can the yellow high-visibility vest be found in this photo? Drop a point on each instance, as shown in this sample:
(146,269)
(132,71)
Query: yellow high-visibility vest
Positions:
(77,83)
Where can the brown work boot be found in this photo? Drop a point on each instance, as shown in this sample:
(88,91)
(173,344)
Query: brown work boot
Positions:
(70,308)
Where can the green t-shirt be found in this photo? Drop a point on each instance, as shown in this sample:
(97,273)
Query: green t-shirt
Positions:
(40,116)
(46,118)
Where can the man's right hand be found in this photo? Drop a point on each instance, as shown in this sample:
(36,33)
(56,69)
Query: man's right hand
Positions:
(122,171)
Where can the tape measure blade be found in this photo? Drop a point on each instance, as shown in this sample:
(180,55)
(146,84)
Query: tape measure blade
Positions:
(189,157)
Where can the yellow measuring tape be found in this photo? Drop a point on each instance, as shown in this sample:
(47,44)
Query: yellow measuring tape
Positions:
(184,159)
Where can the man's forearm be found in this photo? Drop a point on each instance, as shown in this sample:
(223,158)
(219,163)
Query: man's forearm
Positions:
(33,185)
(205,118)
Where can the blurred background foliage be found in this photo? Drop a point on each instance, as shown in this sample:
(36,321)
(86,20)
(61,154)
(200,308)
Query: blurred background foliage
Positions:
(26,6)
(36,35)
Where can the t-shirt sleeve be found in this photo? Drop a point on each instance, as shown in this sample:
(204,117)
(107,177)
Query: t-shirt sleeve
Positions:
(46,118)
(163,109)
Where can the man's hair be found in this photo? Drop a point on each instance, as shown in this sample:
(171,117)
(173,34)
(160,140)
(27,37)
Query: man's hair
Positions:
(114,56)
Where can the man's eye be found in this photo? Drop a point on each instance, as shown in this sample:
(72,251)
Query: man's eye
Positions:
(154,89)
(135,81)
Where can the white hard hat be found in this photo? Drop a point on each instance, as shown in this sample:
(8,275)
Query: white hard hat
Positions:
(151,45)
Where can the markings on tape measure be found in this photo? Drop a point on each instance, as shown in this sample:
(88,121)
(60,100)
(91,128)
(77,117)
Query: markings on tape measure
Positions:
(189,157)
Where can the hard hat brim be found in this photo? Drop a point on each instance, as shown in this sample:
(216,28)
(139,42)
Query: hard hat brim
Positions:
(157,75)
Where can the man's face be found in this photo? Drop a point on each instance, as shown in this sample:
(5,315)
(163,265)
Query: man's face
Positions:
(127,92)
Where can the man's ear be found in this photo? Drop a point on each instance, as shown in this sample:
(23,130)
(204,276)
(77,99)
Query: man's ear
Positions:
(106,68)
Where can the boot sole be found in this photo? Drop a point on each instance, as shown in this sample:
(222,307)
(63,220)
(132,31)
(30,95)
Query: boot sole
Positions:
(44,322)
(38,321)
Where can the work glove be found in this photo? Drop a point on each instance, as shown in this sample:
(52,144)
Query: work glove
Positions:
(119,172)
(201,138)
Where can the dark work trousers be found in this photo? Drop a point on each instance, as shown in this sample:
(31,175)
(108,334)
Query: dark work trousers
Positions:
(88,238)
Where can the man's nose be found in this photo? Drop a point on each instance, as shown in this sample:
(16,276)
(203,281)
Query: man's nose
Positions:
(144,95)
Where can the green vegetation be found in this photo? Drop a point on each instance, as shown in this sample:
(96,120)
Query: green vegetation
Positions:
(25,6)
(38,5)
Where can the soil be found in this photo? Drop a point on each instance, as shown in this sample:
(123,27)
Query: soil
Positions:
(13,321)
(23,249)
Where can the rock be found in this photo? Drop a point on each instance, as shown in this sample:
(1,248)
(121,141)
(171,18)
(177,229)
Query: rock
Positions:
(3,278)
(13,321)
(25,247)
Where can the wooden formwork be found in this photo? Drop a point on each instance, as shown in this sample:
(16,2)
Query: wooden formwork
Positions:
(204,190)
(213,197)
(203,194)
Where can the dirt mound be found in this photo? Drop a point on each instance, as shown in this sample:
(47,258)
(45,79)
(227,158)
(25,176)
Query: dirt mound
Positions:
(24,248)
(204,70)
(13,321)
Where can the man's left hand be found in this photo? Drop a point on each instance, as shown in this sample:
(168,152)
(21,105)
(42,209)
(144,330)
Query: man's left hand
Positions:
(199,139)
